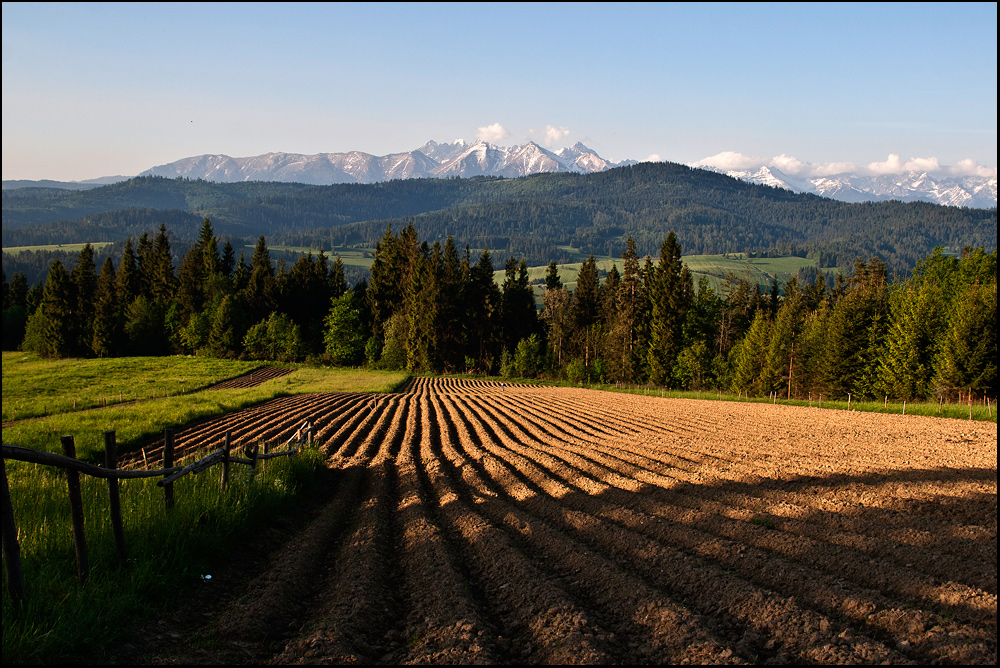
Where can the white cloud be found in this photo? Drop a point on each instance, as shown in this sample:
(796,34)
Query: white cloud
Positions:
(653,157)
(828,168)
(492,133)
(730,160)
(970,167)
(893,165)
(790,165)
(554,134)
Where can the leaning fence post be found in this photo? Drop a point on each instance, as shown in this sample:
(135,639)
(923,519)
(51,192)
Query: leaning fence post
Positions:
(11,550)
(114,499)
(76,511)
(225,459)
(168,462)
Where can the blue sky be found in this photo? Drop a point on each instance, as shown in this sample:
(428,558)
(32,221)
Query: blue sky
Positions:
(92,90)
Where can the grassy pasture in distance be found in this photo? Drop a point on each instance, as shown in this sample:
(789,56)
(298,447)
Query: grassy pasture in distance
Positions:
(715,267)
(66,621)
(34,386)
(351,257)
(69,248)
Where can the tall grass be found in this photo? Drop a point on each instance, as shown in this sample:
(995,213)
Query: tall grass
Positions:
(68,621)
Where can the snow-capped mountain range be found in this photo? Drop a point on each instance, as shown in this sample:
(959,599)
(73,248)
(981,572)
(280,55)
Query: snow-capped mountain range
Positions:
(432,160)
(967,191)
(459,158)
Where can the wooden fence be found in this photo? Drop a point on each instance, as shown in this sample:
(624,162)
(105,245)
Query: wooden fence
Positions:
(110,471)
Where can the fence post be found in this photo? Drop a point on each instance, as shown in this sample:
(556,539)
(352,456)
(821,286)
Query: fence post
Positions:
(225,460)
(168,462)
(11,550)
(76,511)
(114,499)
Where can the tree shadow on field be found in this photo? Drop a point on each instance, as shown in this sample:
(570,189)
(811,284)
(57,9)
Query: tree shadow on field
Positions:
(923,537)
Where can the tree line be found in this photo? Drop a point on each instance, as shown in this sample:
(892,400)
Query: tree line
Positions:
(435,308)
(529,216)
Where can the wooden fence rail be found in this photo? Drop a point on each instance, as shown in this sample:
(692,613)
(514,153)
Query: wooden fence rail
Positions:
(74,467)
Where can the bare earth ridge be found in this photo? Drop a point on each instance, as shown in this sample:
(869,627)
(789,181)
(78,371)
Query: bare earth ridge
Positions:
(467,522)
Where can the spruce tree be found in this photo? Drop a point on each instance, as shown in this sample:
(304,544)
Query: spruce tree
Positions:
(670,295)
(552,280)
(632,304)
(58,303)
(105,338)
(84,276)
(968,358)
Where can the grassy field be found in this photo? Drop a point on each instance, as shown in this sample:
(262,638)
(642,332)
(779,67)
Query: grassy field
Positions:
(66,621)
(714,267)
(351,257)
(34,387)
(136,423)
(69,248)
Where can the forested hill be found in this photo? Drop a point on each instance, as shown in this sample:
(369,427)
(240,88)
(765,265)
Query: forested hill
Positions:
(530,216)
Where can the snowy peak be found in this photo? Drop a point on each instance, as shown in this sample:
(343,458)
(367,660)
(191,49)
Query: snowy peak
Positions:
(431,160)
(968,191)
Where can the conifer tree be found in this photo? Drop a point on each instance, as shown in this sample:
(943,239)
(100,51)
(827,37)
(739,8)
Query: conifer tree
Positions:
(423,299)
(749,356)
(336,280)
(84,276)
(777,374)
(552,280)
(968,357)
(918,315)
(482,317)
(162,269)
(452,309)
(261,288)
(670,292)
(105,338)
(517,310)
(632,304)
(57,309)
(608,298)
(129,280)
(223,339)
(857,326)
(228,260)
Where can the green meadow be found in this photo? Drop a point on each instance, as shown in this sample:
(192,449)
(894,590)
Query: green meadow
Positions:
(66,621)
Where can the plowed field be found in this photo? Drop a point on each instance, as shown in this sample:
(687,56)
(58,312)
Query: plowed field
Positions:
(479,524)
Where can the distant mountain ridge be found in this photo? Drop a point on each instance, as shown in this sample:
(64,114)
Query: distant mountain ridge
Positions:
(978,192)
(432,160)
(461,159)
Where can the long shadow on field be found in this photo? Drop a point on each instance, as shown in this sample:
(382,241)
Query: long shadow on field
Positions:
(897,533)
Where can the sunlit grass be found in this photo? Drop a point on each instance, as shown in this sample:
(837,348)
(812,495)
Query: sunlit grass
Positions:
(67,621)
(136,424)
(33,386)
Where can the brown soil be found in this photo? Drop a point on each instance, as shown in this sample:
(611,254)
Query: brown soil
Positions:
(252,379)
(465,522)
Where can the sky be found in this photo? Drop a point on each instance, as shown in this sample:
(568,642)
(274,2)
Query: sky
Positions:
(92,90)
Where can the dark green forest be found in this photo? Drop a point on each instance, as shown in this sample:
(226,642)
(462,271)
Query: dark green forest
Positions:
(431,306)
(529,217)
